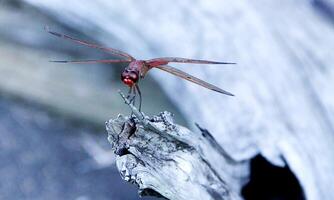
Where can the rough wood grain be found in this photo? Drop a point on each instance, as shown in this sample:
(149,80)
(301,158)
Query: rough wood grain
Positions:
(168,160)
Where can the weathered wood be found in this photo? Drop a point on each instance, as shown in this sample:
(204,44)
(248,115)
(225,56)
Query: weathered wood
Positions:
(168,160)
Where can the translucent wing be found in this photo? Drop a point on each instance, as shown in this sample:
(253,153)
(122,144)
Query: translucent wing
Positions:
(90,61)
(191,78)
(163,61)
(105,49)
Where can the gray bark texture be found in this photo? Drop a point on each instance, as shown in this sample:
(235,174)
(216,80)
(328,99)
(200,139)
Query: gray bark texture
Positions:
(284,104)
(168,160)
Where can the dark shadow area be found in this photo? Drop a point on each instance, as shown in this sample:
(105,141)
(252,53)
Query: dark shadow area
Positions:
(324,8)
(269,182)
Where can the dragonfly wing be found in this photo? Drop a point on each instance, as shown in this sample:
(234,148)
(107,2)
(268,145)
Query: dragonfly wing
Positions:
(163,61)
(89,61)
(105,49)
(191,78)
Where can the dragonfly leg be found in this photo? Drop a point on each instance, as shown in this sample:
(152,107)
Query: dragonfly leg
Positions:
(134,97)
(129,93)
(140,99)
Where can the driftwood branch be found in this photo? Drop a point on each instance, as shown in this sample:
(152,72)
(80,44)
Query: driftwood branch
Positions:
(168,160)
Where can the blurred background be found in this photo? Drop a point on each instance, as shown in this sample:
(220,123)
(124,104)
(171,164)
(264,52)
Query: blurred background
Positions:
(53,139)
(53,143)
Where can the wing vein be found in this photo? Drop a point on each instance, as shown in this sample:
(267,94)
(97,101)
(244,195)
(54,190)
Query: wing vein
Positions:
(193,79)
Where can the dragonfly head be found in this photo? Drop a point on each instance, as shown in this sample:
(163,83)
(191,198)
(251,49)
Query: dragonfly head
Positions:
(130,77)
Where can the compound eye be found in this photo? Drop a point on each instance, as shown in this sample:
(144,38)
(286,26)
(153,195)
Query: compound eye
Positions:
(129,78)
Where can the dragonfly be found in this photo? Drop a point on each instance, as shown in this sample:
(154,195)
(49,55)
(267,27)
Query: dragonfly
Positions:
(136,69)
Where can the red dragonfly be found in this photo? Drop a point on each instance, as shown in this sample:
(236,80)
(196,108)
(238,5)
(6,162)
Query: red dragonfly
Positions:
(137,69)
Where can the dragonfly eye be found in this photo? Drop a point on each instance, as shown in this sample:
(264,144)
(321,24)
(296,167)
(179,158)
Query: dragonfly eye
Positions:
(129,78)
